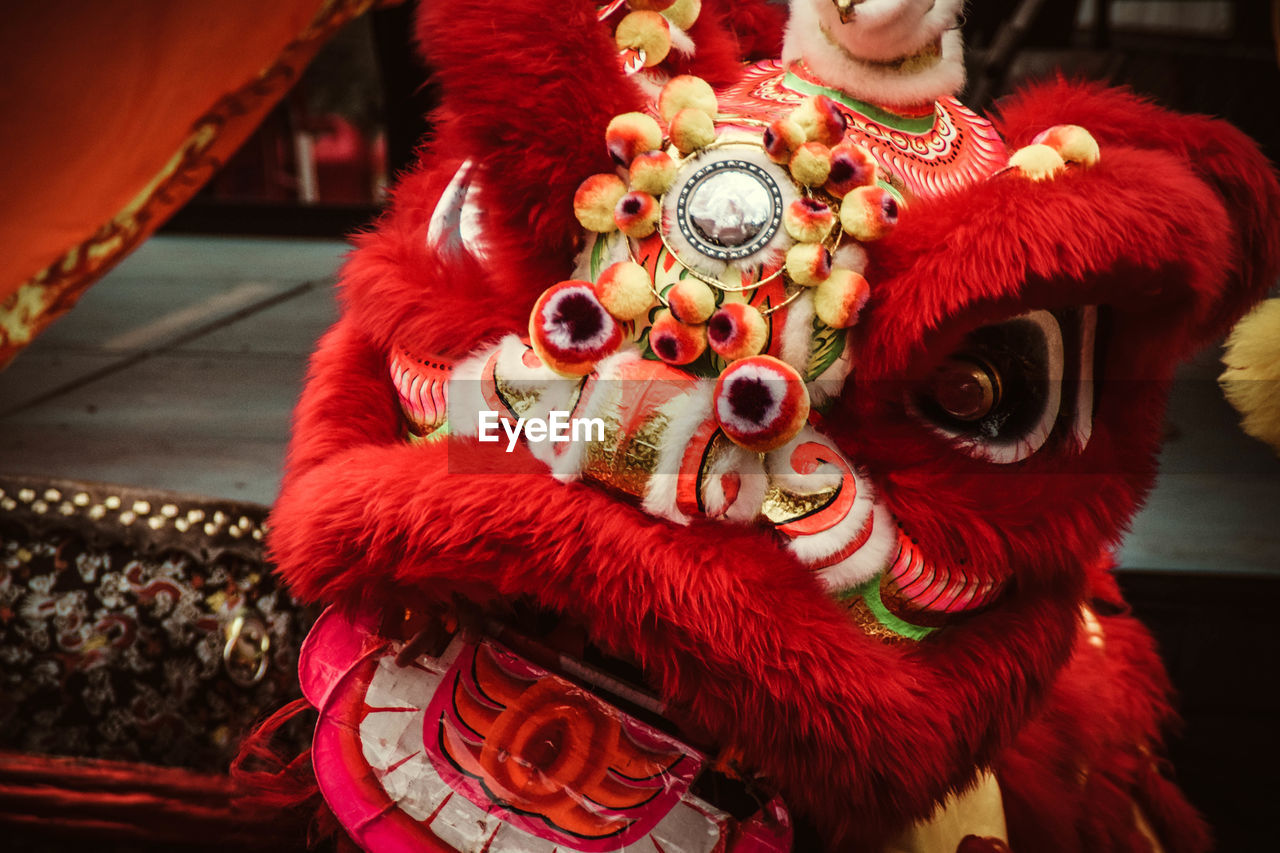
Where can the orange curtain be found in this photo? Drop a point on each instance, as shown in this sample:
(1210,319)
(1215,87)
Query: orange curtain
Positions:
(113,113)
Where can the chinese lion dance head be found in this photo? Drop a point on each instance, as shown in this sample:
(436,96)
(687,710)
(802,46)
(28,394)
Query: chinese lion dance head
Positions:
(876,386)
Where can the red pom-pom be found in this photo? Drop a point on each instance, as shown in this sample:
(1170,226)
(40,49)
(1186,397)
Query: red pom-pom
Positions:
(637,214)
(761,403)
(852,166)
(570,330)
(737,330)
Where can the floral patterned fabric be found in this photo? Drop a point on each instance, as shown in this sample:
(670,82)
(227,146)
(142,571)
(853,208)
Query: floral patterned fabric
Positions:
(116,610)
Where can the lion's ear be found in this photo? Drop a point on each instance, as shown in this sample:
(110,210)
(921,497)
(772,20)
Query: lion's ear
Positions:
(1228,162)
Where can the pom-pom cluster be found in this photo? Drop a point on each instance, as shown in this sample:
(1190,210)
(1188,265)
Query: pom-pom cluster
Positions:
(842,200)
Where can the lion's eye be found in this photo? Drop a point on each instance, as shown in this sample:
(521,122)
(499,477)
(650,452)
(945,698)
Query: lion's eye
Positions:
(999,395)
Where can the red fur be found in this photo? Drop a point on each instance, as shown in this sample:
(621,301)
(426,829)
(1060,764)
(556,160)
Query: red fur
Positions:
(861,737)
(1072,778)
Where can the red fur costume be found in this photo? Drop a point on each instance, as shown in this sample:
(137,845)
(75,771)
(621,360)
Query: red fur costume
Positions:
(1169,231)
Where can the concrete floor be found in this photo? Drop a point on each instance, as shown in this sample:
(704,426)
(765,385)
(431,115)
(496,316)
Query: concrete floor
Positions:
(180,368)
(177,371)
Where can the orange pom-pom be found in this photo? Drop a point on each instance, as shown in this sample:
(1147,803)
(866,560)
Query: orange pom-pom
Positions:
(761,403)
(781,139)
(808,220)
(674,342)
(637,214)
(868,213)
(650,5)
(737,330)
(595,200)
(840,298)
(625,290)
(691,301)
(570,330)
(630,134)
(686,92)
(645,31)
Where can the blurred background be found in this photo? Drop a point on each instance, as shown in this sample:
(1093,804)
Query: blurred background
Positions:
(175,374)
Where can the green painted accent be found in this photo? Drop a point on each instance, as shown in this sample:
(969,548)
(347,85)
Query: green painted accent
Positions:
(869,591)
(828,344)
(907,124)
(597,256)
(438,434)
(896,192)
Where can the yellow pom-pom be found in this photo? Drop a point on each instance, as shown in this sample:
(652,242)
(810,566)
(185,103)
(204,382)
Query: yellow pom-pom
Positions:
(683,13)
(838,300)
(1252,378)
(652,172)
(811,164)
(595,200)
(692,129)
(868,213)
(686,92)
(1038,162)
(646,31)
(691,301)
(625,290)
(808,264)
(1072,142)
(821,120)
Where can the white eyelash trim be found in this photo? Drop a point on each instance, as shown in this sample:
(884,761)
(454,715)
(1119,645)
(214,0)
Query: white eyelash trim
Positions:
(850,256)
(830,382)
(797,334)
(752,485)
(1082,428)
(869,560)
